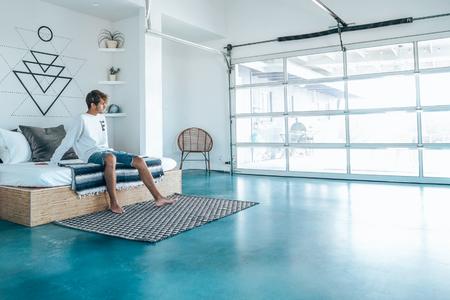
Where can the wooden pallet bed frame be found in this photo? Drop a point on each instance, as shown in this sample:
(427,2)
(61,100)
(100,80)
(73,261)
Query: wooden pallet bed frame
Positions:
(37,206)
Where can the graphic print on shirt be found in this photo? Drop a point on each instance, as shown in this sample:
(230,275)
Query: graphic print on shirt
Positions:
(102,123)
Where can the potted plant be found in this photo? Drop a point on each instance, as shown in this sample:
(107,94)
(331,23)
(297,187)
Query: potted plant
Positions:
(114,39)
(113,73)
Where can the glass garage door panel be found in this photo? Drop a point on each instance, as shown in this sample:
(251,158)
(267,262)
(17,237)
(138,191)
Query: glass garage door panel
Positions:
(260,72)
(395,127)
(260,130)
(319,129)
(436,127)
(360,114)
(318,160)
(434,53)
(261,158)
(395,162)
(436,163)
(316,97)
(384,92)
(435,89)
(382,59)
(260,100)
(314,66)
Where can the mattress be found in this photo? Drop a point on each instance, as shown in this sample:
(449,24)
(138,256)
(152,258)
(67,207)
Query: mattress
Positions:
(29,174)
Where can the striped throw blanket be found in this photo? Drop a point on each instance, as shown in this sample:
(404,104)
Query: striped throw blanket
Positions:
(88,179)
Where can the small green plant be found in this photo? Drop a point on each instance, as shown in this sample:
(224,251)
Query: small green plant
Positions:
(113,71)
(107,35)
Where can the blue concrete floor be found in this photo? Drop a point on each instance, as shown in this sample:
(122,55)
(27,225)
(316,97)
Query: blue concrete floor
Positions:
(307,239)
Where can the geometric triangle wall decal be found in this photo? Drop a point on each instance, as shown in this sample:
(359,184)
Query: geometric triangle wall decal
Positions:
(59,109)
(59,44)
(73,65)
(39,74)
(26,108)
(43,103)
(44,80)
(35,68)
(44,59)
(28,37)
(4,69)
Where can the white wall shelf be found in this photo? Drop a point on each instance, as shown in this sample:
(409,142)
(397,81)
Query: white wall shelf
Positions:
(112,82)
(111,50)
(111,117)
(115,115)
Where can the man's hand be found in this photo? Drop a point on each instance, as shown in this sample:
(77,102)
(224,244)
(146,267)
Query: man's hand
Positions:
(40,164)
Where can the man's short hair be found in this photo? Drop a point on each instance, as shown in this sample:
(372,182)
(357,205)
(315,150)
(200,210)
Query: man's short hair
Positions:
(94,97)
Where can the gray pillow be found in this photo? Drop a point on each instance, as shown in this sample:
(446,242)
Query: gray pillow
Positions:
(44,141)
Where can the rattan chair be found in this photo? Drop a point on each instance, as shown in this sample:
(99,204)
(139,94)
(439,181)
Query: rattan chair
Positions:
(195,140)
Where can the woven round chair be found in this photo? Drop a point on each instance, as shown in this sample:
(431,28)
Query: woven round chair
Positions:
(195,140)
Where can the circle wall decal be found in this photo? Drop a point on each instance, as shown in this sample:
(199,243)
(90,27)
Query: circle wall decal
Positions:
(45,33)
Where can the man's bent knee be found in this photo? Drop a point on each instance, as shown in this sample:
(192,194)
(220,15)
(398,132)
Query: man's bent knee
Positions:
(109,159)
(137,161)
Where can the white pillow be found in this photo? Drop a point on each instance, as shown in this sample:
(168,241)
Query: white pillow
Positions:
(14,147)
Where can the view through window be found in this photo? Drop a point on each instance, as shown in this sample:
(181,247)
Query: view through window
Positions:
(381,112)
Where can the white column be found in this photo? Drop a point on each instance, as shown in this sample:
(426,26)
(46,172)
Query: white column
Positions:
(151,125)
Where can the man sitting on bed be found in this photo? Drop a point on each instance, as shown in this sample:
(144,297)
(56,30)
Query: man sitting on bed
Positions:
(89,138)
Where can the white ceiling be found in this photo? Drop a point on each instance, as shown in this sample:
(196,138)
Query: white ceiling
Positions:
(111,10)
(114,10)
(369,11)
(307,16)
(185,31)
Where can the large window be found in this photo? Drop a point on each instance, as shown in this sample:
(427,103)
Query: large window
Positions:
(315,66)
(382,92)
(383,59)
(321,96)
(378,113)
(260,72)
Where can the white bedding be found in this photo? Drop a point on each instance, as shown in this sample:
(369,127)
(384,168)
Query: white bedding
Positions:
(27,174)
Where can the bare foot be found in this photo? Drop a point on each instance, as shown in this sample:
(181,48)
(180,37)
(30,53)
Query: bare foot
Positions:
(164,201)
(116,208)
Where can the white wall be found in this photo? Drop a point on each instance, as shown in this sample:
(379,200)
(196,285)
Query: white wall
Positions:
(175,94)
(75,40)
(195,83)
(195,93)
(75,37)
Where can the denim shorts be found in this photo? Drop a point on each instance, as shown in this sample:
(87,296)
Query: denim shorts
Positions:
(122,157)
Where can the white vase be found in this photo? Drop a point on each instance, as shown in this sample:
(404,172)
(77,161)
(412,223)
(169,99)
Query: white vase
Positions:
(112,77)
(111,44)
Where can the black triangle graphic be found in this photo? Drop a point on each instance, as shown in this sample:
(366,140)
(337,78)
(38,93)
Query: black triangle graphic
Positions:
(30,94)
(45,54)
(45,75)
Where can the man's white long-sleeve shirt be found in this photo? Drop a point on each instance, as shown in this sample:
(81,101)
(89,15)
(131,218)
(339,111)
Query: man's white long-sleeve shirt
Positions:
(87,135)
